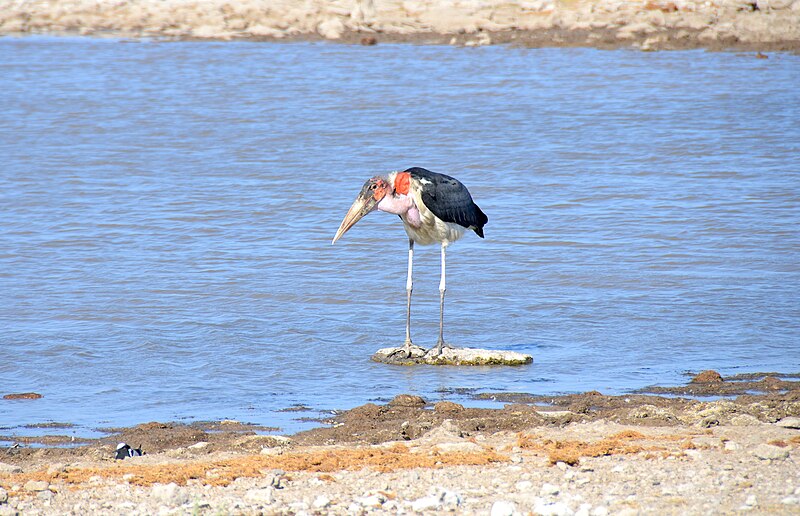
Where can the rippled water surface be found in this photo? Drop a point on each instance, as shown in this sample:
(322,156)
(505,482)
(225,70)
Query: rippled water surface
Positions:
(166,212)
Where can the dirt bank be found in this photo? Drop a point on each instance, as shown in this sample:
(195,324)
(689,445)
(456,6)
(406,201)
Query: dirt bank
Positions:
(645,24)
(577,454)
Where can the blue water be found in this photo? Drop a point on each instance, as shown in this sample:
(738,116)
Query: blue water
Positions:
(166,211)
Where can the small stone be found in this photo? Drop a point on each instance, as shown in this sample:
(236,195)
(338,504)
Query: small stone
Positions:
(321,502)
(55,469)
(9,468)
(263,495)
(548,490)
(36,485)
(770,452)
(600,511)
(373,500)
(751,501)
(198,446)
(407,400)
(790,500)
(502,508)
(127,477)
(732,446)
(551,509)
(450,500)
(524,485)
(789,422)
(3,495)
(562,465)
(426,503)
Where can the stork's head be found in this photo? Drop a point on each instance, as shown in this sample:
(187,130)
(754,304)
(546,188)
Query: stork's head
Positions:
(373,191)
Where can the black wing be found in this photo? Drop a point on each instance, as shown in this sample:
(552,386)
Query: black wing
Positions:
(449,199)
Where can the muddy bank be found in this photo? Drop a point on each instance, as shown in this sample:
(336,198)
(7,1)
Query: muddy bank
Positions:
(645,24)
(577,454)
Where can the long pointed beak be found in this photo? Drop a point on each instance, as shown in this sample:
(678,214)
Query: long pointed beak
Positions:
(361,206)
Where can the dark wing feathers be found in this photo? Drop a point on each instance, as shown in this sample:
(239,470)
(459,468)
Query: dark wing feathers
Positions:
(449,199)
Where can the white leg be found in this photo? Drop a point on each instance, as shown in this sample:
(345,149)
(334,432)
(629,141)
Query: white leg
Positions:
(409,288)
(440,343)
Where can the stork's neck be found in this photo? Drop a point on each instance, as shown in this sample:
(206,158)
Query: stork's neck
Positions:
(397,204)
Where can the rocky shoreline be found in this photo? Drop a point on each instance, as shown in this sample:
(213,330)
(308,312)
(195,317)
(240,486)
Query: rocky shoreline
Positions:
(584,454)
(763,25)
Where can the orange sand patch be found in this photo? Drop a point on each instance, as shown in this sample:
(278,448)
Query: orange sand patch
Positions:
(223,472)
(570,451)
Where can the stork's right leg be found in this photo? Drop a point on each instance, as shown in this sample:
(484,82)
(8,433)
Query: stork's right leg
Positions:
(408,348)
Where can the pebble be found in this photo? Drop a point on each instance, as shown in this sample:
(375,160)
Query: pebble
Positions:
(371,500)
(751,501)
(3,495)
(548,490)
(321,502)
(789,422)
(543,508)
(524,485)
(770,452)
(426,503)
(732,446)
(9,468)
(36,485)
(790,500)
(260,495)
(502,508)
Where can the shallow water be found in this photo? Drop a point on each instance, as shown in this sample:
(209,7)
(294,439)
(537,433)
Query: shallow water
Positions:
(166,211)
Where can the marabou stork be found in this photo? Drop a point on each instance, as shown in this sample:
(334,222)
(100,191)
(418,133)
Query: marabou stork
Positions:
(433,207)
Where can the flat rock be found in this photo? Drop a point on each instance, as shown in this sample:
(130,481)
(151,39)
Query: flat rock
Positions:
(454,356)
(9,468)
(789,422)
(770,452)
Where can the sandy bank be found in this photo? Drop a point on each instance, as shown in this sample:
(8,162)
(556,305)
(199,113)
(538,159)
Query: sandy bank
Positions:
(586,454)
(645,24)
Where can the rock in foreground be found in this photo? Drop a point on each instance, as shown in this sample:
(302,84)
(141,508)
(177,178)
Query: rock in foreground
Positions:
(454,356)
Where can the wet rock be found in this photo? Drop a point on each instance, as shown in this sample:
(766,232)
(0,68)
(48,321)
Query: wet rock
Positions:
(446,407)
(770,452)
(708,376)
(22,396)
(454,356)
(407,400)
(369,41)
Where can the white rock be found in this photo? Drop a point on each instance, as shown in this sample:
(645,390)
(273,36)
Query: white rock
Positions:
(371,500)
(3,495)
(321,502)
(332,28)
(732,446)
(502,508)
(790,500)
(548,490)
(770,452)
(262,495)
(169,494)
(751,501)
(449,499)
(199,446)
(600,511)
(551,509)
(35,485)
(9,468)
(524,485)
(789,422)
(426,503)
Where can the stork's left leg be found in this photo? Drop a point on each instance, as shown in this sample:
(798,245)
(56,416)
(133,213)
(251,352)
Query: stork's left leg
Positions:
(440,344)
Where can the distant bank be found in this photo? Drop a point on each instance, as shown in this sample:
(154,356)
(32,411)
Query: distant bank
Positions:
(764,25)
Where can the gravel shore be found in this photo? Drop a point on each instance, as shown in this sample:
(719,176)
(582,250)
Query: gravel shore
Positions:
(584,454)
(643,24)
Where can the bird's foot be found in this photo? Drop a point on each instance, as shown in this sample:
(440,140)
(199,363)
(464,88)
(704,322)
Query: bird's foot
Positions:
(437,349)
(409,350)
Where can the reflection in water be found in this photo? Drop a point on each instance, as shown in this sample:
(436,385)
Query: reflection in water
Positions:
(167,211)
